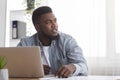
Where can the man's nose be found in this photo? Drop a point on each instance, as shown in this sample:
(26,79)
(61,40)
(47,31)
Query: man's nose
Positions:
(54,25)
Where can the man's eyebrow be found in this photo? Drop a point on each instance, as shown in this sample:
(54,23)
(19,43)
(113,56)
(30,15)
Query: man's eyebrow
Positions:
(50,19)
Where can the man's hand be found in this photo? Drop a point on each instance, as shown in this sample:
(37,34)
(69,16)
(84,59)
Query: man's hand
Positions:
(65,71)
(46,69)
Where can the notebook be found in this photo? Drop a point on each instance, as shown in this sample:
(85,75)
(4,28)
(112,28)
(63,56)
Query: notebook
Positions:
(23,61)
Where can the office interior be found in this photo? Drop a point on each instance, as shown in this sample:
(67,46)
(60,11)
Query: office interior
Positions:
(93,23)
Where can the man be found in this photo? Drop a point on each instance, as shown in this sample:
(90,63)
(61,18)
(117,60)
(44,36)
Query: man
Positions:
(60,53)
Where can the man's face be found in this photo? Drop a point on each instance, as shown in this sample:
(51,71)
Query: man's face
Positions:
(47,25)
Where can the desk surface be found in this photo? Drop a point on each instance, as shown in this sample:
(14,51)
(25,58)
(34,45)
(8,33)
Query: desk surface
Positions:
(73,78)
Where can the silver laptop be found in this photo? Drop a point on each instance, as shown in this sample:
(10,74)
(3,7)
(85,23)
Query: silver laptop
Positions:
(23,61)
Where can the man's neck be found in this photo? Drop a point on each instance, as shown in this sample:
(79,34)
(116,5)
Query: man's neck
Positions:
(44,40)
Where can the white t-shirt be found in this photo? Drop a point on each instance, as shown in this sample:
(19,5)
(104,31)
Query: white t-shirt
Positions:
(45,57)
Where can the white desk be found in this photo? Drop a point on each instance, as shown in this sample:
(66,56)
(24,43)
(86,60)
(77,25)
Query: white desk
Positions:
(86,78)
(73,78)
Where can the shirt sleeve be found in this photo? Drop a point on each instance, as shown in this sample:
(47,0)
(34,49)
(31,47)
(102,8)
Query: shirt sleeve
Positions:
(75,56)
(78,69)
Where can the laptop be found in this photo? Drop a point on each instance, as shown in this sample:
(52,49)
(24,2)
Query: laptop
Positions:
(24,62)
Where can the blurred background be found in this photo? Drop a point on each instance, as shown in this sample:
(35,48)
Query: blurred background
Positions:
(93,23)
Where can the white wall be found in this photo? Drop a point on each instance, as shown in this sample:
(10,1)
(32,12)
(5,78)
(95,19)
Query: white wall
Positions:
(2,22)
(18,15)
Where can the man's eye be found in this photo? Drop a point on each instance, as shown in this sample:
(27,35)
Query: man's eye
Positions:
(48,22)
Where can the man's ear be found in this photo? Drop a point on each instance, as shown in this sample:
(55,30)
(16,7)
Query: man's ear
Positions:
(36,27)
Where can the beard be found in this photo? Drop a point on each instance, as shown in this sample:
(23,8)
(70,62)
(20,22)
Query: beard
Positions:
(50,37)
(53,37)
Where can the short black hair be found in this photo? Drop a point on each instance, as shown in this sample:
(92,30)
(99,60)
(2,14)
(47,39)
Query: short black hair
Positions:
(38,12)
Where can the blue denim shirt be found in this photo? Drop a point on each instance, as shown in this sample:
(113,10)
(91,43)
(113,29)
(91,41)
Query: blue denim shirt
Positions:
(62,51)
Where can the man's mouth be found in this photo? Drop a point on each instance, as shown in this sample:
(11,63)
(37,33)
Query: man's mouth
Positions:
(55,30)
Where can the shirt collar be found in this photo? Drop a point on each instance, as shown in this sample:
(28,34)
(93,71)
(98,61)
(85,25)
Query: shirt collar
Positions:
(39,42)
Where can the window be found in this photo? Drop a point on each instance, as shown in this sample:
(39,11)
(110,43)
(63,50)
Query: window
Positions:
(117,25)
(85,21)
